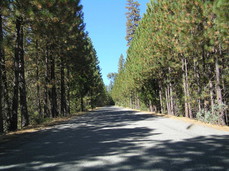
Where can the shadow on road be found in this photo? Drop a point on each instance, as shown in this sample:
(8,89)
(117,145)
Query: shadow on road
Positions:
(104,140)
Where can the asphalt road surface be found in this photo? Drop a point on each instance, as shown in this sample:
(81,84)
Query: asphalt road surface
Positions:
(117,139)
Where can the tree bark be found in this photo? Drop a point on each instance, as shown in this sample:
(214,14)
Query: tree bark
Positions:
(211,96)
(218,89)
(171,99)
(47,84)
(161,100)
(1,57)
(38,84)
(81,103)
(170,92)
(68,91)
(63,94)
(167,100)
(14,119)
(185,88)
(150,106)
(22,82)
(53,90)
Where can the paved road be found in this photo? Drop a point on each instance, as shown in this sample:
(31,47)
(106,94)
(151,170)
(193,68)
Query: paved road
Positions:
(117,139)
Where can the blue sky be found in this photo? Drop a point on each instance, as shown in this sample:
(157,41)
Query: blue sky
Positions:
(106,23)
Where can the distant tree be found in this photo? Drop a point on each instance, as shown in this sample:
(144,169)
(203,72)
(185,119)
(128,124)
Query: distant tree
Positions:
(133,18)
(121,63)
(111,76)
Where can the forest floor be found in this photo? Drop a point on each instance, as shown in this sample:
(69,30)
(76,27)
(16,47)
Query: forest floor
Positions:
(113,139)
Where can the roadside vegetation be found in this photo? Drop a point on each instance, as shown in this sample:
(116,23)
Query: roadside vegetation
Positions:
(177,60)
(48,65)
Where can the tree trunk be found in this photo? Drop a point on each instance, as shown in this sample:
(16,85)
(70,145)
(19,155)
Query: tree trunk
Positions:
(218,90)
(167,100)
(53,92)
(161,100)
(22,82)
(38,83)
(47,84)
(150,106)
(6,104)
(68,91)
(14,119)
(170,95)
(185,87)
(81,103)
(63,94)
(130,102)
(1,57)
(138,102)
(197,75)
(171,99)
(211,96)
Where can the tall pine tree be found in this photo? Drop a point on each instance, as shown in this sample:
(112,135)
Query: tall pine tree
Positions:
(133,18)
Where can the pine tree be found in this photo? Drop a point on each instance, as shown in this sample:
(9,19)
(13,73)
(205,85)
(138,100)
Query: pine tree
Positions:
(47,59)
(177,61)
(133,18)
(121,63)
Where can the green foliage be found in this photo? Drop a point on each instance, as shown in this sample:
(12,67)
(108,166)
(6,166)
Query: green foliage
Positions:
(173,60)
(61,67)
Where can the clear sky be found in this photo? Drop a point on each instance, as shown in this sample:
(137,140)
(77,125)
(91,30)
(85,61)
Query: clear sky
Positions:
(106,23)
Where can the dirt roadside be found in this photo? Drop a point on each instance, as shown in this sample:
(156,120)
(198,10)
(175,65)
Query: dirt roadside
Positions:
(34,128)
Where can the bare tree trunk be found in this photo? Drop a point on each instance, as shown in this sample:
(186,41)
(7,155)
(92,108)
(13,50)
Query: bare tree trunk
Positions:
(218,89)
(47,84)
(170,95)
(22,82)
(131,100)
(167,100)
(185,88)
(14,119)
(81,103)
(7,114)
(53,92)
(63,94)
(211,96)
(1,83)
(171,99)
(196,71)
(68,91)
(160,96)
(138,102)
(38,83)
(150,106)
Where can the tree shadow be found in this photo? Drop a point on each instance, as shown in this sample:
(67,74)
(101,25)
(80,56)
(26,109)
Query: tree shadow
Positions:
(108,139)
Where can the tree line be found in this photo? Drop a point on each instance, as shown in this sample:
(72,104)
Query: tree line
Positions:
(48,65)
(177,61)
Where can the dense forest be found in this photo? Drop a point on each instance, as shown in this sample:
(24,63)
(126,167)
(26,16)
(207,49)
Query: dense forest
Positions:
(48,66)
(177,60)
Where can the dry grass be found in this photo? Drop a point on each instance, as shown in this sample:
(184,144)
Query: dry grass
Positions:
(192,121)
(37,127)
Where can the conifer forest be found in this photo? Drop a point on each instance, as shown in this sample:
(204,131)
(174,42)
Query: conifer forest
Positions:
(48,65)
(177,60)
